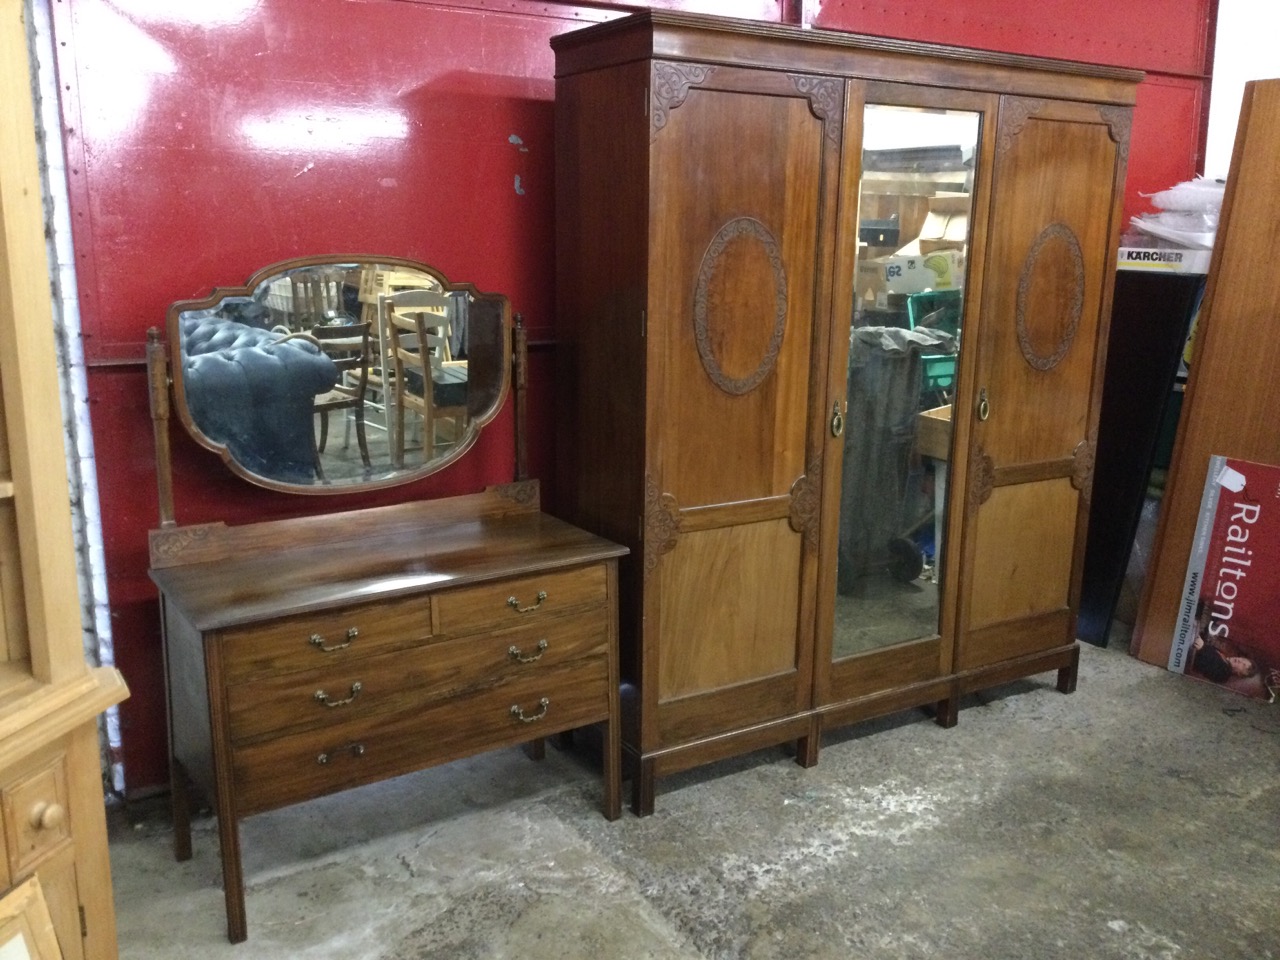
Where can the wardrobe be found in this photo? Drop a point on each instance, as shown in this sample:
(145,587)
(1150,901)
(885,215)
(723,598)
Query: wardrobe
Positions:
(833,313)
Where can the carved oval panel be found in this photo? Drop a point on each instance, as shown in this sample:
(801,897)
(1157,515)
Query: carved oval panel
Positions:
(1050,296)
(740,306)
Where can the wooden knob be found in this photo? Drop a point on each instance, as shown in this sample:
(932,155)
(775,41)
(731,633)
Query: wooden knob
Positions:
(47,816)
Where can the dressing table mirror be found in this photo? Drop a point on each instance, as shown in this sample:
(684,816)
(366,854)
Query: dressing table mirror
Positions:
(316,654)
(310,378)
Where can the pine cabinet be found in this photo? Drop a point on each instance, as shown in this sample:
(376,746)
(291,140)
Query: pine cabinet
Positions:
(833,316)
(52,820)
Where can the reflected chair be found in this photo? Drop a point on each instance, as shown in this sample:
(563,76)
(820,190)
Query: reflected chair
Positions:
(424,376)
(347,345)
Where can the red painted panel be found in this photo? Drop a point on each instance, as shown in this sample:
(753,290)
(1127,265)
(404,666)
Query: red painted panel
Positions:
(206,140)
(1165,145)
(1155,35)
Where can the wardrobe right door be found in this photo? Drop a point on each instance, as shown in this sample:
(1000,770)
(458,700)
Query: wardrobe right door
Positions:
(1058,178)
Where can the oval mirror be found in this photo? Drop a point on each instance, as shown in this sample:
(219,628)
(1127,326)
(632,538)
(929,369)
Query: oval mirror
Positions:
(333,374)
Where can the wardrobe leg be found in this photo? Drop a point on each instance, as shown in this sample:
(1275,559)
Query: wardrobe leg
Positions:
(642,788)
(1067,675)
(947,712)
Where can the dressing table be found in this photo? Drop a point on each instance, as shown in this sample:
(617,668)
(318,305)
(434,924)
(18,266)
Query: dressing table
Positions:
(311,655)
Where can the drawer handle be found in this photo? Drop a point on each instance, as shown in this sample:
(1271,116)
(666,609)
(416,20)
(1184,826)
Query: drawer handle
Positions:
(514,604)
(47,816)
(355,749)
(517,655)
(323,697)
(317,641)
(518,713)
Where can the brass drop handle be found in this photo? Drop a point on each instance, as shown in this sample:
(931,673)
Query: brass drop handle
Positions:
(47,816)
(355,749)
(324,698)
(518,712)
(514,604)
(516,654)
(317,641)
(837,420)
(984,405)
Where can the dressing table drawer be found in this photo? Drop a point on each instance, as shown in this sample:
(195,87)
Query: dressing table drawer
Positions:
(327,637)
(406,680)
(520,600)
(289,769)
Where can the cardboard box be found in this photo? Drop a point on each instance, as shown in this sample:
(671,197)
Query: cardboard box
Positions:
(912,273)
(933,432)
(1164,259)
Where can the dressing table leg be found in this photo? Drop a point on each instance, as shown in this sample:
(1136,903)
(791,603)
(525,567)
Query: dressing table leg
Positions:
(536,749)
(180,809)
(612,769)
(232,878)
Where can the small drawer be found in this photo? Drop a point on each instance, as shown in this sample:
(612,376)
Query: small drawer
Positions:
(407,679)
(36,816)
(325,638)
(286,770)
(520,601)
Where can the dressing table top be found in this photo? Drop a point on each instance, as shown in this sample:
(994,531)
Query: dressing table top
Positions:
(221,576)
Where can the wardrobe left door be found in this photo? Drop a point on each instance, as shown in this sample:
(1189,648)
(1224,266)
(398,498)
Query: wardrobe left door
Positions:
(743,176)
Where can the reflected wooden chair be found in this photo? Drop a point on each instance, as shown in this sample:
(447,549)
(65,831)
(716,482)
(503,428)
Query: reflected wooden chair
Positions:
(424,377)
(348,346)
(374,283)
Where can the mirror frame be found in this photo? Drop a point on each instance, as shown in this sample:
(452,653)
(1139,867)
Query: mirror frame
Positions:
(476,423)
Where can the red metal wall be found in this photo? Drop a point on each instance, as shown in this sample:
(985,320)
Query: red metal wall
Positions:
(207,139)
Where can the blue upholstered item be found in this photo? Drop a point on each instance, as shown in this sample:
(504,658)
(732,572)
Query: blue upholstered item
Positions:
(253,394)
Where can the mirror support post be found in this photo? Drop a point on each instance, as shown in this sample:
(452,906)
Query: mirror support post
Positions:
(521,361)
(158,384)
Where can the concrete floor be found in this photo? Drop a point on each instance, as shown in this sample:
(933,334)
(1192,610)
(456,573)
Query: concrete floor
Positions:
(1135,819)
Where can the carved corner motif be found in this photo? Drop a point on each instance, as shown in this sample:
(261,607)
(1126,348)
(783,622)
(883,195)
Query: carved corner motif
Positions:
(523,492)
(661,524)
(1074,306)
(171,543)
(805,502)
(825,96)
(669,86)
(1119,121)
(1083,461)
(1013,117)
(737,228)
(983,480)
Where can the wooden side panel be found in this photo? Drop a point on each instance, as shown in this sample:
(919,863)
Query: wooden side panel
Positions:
(730,603)
(1233,393)
(602,151)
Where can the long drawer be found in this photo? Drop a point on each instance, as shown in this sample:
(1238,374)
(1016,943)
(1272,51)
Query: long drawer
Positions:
(324,638)
(520,600)
(408,679)
(285,770)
